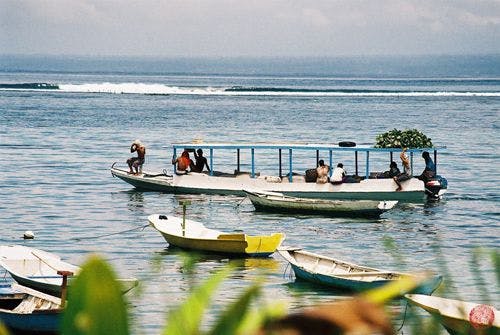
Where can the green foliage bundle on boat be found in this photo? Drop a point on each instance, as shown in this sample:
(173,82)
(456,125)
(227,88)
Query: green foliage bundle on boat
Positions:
(408,138)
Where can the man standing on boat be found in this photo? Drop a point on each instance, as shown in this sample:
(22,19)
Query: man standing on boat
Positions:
(136,162)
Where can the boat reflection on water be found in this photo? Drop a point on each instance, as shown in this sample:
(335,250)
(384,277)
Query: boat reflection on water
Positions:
(240,264)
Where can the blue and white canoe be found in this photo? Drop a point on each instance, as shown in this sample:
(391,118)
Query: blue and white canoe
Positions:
(344,275)
(25,310)
(38,269)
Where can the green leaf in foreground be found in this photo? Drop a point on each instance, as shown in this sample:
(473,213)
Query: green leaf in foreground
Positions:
(229,322)
(495,257)
(95,304)
(186,319)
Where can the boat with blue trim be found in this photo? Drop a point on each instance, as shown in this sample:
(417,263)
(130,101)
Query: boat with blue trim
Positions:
(348,276)
(278,166)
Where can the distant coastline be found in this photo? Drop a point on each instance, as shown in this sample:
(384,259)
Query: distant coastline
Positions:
(439,66)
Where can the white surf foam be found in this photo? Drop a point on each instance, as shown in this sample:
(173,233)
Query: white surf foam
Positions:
(142,88)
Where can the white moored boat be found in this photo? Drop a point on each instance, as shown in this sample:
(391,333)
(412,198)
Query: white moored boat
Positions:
(361,186)
(278,202)
(344,275)
(460,317)
(40,269)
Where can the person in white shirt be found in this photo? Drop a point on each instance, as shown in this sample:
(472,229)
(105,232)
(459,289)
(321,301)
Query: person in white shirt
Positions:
(338,174)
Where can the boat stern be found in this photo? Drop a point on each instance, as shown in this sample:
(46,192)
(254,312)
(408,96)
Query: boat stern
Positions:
(263,246)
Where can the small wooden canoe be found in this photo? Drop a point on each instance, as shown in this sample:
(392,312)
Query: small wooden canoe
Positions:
(460,317)
(38,269)
(25,310)
(344,275)
(278,202)
(196,236)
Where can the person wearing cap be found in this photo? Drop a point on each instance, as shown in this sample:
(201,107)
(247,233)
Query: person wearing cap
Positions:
(200,161)
(135,162)
(406,174)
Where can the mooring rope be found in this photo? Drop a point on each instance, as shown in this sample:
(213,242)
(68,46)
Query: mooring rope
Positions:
(110,234)
(404,318)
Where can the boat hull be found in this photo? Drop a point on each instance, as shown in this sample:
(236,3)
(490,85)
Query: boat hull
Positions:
(201,183)
(41,322)
(197,237)
(344,275)
(37,269)
(454,315)
(26,310)
(277,202)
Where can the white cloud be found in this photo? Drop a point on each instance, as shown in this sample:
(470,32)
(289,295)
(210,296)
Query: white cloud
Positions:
(253,27)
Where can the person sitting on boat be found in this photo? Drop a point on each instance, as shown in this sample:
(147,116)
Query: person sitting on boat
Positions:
(430,168)
(406,174)
(200,161)
(136,162)
(339,174)
(322,172)
(183,162)
(392,172)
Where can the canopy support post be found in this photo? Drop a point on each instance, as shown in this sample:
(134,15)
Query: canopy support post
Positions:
(331,163)
(253,162)
(173,160)
(290,178)
(280,167)
(367,174)
(237,161)
(211,161)
(356,161)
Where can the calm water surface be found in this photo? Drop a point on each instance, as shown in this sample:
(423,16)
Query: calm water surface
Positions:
(58,146)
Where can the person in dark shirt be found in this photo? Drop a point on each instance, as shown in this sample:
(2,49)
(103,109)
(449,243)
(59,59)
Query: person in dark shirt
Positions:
(200,162)
(392,172)
(430,168)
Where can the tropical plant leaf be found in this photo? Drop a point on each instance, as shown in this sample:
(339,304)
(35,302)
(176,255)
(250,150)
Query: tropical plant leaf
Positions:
(186,319)
(256,318)
(409,138)
(231,319)
(495,257)
(3,330)
(95,304)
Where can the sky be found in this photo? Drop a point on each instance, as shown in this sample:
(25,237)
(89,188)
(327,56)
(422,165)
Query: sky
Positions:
(253,28)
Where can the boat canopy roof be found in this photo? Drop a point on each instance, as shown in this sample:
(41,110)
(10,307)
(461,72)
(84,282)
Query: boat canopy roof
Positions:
(296,146)
(290,147)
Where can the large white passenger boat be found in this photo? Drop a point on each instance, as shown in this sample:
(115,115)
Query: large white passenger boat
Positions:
(288,177)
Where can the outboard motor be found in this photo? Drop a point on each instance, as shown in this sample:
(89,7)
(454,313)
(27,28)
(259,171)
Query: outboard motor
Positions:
(435,187)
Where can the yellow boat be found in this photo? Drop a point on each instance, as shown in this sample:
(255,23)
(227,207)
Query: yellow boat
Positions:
(194,235)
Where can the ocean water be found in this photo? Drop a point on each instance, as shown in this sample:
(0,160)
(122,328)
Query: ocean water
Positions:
(64,121)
